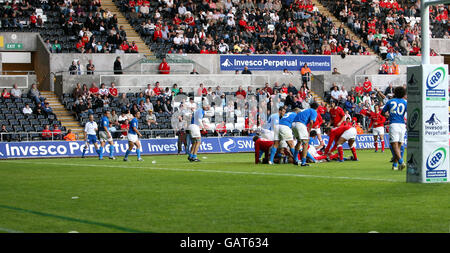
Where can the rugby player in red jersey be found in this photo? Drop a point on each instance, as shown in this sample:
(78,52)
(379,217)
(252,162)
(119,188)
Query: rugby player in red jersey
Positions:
(262,146)
(316,128)
(340,135)
(377,121)
(337,114)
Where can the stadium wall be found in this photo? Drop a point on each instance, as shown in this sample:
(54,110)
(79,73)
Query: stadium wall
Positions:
(163,146)
(23,81)
(42,65)
(27,40)
(65,83)
(441,46)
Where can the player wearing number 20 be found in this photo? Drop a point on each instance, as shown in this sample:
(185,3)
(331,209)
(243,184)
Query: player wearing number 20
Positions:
(396,108)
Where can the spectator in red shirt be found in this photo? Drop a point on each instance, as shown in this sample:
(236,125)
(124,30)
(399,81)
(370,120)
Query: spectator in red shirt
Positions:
(268,89)
(204,50)
(85,39)
(5,94)
(124,127)
(367,85)
(221,129)
(189,20)
(133,47)
(157,90)
(164,67)
(359,89)
(124,47)
(93,91)
(57,135)
(33,20)
(202,91)
(46,133)
(157,35)
(241,92)
(113,90)
(80,46)
(176,20)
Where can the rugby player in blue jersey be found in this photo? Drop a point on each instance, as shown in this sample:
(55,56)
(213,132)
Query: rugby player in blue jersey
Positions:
(283,132)
(301,131)
(395,110)
(106,136)
(194,131)
(133,138)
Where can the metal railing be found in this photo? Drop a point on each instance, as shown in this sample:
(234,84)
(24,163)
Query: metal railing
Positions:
(19,72)
(32,136)
(117,135)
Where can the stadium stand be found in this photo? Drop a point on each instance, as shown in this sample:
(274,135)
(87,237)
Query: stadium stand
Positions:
(240,27)
(67,27)
(208,27)
(20,124)
(389,26)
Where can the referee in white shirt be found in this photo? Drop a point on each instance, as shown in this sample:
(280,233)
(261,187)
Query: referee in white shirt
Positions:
(90,133)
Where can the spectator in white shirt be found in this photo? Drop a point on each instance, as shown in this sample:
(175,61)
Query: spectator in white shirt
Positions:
(177,40)
(181,10)
(15,92)
(27,109)
(103,91)
(335,94)
(122,117)
(149,91)
(148,105)
(344,94)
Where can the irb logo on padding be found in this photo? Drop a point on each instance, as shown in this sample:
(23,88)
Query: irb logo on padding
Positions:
(434,79)
(436,159)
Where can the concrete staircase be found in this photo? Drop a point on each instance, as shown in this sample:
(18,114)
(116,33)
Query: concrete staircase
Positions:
(132,35)
(66,117)
(316,97)
(327,13)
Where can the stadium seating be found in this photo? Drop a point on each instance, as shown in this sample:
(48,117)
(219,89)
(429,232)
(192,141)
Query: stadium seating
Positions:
(268,27)
(390,22)
(64,26)
(19,124)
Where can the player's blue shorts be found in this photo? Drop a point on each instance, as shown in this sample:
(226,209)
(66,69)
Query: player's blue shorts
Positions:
(92,139)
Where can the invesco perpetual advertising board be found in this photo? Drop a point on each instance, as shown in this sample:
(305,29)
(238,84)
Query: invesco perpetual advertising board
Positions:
(428,122)
(166,146)
(275,62)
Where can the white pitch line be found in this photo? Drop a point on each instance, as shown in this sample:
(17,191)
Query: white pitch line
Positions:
(219,171)
(9,230)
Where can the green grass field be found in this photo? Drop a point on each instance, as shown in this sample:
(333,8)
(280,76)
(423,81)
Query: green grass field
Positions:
(223,193)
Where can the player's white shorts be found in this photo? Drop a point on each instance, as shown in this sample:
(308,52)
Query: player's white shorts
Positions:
(378,131)
(104,137)
(397,132)
(349,134)
(195,131)
(312,150)
(132,138)
(283,133)
(300,131)
(267,134)
(318,131)
(283,144)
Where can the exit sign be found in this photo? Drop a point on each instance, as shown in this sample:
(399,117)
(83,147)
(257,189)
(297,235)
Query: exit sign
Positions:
(12,46)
